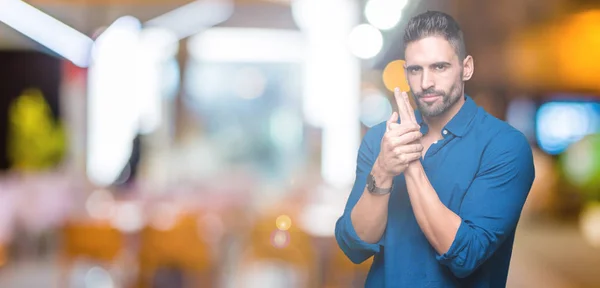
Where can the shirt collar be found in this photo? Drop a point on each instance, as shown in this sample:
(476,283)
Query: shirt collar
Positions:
(460,122)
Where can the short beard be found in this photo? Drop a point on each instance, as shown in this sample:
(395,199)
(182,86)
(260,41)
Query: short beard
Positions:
(448,100)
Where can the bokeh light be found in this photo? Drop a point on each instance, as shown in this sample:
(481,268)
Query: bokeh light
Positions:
(573,42)
(98,277)
(559,124)
(394,76)
(128,217)
(589,223)
(581,163)
(374,108)
(100,204)
(384,14)
(283,222)
(365,41)
(318,219)
(280,239)
(164,216)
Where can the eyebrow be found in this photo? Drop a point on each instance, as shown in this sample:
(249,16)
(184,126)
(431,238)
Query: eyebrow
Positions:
(441,63)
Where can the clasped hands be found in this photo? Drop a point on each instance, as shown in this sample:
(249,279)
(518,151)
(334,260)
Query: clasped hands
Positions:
(401,144)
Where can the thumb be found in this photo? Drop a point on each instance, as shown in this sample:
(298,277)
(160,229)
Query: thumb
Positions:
(393,119)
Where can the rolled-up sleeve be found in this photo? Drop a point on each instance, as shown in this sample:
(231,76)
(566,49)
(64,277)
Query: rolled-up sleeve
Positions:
(356,249)
(493,203)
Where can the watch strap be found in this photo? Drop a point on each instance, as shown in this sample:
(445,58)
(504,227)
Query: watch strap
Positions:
(373,189)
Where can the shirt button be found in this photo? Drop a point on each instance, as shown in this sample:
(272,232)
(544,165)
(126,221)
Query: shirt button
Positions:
(445,132)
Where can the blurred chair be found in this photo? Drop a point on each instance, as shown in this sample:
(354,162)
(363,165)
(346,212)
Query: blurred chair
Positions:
(177,248)
(267,245)
(95,241)
(341,272)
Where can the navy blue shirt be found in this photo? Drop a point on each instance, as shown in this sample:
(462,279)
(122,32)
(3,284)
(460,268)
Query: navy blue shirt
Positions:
(482,170)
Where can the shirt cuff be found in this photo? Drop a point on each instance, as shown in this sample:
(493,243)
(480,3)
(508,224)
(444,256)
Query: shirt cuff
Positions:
(454,254)
(356,242)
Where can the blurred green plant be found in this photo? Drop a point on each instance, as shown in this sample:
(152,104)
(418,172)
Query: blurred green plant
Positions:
(36,141)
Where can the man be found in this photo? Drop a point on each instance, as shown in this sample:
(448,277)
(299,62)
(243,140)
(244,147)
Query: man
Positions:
(437,196)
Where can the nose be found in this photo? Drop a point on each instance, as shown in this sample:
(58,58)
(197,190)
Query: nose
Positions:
(426,80)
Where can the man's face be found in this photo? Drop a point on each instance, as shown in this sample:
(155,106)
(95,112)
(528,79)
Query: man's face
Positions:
(434,74)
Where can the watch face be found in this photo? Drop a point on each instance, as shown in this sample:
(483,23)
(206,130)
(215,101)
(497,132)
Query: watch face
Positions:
(370,183)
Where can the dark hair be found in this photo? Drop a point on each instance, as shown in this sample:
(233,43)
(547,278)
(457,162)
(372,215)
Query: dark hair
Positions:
(435,23)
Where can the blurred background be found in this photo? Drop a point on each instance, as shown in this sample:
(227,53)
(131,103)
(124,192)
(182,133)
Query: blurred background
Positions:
(212,143)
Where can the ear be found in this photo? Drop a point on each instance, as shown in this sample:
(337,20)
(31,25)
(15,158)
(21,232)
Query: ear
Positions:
(468,68)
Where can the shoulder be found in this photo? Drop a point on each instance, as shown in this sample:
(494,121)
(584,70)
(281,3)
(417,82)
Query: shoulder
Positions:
(503,135)
(504,143)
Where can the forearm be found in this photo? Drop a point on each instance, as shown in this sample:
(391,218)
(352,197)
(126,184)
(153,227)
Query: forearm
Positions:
(438,223)
(369,215)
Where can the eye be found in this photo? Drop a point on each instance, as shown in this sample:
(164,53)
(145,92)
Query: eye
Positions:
(439,67)
(414,70)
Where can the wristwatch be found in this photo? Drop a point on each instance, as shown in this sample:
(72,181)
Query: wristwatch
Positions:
(373,189)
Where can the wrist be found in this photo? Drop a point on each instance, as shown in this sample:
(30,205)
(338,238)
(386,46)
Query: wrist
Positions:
(383,178)
(413,168)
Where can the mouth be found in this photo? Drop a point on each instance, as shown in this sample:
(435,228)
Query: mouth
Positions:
(430,97)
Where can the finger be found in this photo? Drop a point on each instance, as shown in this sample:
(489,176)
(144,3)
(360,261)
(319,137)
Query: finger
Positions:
(410,157)
(396,129)
(407,149)
(404,116)
(393,161)
(392,120)
(404,139)
(396,126)
(409,109)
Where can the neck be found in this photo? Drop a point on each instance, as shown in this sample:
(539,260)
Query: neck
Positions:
(436,124)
